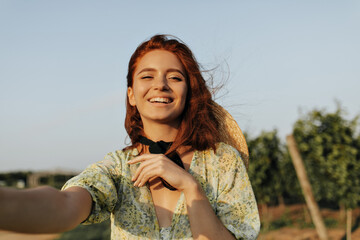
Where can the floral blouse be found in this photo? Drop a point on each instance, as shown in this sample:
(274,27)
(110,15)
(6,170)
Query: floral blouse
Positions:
(221,174)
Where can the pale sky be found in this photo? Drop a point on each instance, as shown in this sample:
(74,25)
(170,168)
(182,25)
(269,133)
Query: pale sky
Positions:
(63,66)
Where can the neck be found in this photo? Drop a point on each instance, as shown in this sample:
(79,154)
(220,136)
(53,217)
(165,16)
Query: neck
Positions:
(158,131)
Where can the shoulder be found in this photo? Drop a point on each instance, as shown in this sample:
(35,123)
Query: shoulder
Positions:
(119,156)
(226,152)
(225,149)
(103,173)
(112,164)
(224,156)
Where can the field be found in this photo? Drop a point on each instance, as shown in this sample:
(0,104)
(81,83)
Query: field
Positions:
(294,222)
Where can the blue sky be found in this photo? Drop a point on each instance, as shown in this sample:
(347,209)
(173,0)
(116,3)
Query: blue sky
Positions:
(63,66)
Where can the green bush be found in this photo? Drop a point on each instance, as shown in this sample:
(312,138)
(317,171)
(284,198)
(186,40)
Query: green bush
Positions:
(331,222)
(284,221)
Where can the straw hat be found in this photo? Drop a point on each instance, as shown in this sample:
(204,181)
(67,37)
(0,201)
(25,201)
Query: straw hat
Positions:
(231,132)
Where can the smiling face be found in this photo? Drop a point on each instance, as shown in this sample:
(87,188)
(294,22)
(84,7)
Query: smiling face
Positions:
(159,88)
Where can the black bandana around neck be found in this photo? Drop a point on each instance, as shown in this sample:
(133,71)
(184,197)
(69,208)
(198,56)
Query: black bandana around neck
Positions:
(161,147)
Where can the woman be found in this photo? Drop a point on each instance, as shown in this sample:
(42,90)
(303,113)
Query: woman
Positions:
(176,181)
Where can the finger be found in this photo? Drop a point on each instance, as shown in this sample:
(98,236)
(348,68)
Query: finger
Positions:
(142,166)
(151,169)
(150,159)
(156,169)
(141,158)
(146,174)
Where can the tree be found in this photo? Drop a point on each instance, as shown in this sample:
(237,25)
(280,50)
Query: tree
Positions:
(266,156)
(291,188)
(329,146)
(306,188)
(264,170)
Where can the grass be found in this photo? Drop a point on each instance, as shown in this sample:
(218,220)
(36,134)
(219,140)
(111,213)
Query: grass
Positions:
(298,219)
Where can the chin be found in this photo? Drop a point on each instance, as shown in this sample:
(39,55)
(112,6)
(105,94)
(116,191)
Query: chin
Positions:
(166,120)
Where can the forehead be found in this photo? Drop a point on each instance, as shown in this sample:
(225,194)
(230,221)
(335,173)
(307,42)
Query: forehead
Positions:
(159,60)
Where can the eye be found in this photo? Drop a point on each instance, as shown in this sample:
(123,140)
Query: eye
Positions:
(146,77)
(176,78)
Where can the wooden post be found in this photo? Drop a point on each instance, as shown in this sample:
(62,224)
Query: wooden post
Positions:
(306,188)
(348,224)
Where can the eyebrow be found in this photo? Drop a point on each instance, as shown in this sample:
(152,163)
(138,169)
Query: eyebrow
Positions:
(167,71)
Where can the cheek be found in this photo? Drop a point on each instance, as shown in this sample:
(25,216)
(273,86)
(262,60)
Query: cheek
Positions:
(139,91)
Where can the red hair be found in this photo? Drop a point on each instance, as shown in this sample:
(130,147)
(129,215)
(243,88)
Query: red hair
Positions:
(198,127)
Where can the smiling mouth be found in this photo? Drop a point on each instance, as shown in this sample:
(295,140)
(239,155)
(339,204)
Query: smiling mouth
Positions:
(160,100)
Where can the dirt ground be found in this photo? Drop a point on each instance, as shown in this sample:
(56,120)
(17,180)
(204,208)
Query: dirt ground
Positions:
(299,211)
(287,233)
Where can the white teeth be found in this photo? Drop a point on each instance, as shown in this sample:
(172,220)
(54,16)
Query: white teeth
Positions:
(160,100)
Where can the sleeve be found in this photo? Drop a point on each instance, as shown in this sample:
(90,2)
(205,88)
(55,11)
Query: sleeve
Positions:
(236,204)
(98,180)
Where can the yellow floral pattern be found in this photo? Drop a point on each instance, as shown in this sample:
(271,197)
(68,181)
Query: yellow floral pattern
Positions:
(221,174)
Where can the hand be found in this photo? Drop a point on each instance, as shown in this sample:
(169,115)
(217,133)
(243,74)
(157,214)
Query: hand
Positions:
(158,165)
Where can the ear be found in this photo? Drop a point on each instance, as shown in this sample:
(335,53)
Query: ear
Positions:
(130,93)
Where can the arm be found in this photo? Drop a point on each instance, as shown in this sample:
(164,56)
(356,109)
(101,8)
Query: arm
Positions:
(236,207)
(235,201)
(43,209)
(198,207)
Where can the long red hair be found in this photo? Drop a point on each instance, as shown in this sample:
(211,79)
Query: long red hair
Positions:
(198,127)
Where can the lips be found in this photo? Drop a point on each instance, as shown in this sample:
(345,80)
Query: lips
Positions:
(165,100)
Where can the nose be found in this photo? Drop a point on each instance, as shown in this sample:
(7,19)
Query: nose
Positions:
(161,83)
